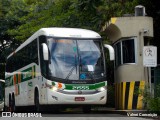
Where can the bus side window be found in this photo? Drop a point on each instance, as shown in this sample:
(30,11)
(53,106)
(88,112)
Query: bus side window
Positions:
(33,52)
(43,64)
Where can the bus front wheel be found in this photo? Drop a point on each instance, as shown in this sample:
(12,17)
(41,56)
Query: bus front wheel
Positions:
(36,100)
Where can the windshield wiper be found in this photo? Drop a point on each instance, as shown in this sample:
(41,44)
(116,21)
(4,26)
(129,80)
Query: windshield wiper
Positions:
(80,64)
(69,74)
(75,66)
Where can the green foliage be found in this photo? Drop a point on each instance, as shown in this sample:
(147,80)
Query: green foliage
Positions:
(89,14)
(21,18)
(12,11)
(152,103)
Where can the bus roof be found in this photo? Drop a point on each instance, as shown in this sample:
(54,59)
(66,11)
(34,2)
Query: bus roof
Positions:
(60,32)
(67,32)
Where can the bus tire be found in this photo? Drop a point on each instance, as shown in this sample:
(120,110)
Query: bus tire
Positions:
(10,103)
(13,103)
(86,109)
(36,101)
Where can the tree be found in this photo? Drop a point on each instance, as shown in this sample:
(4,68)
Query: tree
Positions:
(10,11)
(21,18)
(89,14)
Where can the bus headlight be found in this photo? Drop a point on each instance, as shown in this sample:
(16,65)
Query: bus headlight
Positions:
(54,88)
(57,87)
(102,88)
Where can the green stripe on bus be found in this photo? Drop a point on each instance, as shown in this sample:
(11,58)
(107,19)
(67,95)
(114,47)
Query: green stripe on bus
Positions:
(84,86)
(26,75)
(101,84)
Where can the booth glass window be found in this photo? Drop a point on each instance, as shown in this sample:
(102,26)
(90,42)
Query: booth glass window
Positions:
(128,51)
(125,51)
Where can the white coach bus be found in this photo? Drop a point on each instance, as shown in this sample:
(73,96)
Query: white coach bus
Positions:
(57,66)
(2,85)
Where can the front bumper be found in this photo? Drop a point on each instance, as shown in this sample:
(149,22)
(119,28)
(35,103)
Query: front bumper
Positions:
(88,99)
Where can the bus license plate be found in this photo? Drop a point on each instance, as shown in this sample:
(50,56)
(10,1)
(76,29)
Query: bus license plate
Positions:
(79,98)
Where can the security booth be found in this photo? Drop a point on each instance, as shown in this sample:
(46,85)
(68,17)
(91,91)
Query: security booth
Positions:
(129,35)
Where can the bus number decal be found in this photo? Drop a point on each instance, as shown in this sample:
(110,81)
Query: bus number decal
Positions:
(80,87)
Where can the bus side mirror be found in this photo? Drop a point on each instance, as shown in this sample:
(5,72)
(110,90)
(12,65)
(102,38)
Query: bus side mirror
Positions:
(45,51)
(111,51)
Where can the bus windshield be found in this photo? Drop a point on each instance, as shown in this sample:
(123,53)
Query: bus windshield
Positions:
(75,59)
